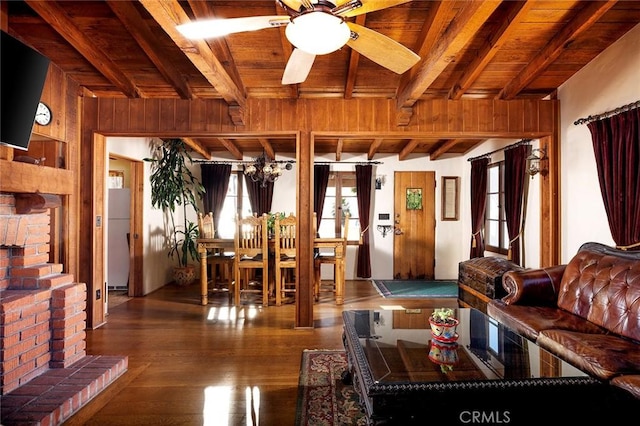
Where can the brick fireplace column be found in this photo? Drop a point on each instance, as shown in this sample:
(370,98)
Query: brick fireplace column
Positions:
(42,309)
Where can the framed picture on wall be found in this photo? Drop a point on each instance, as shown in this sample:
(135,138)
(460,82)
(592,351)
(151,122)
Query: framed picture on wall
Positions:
(414,198)
(450,197)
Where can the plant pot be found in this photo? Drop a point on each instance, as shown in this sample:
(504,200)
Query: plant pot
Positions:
(444,332)
(443,354)
(185,275)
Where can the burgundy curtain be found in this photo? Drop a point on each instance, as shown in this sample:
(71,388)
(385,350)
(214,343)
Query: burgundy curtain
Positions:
(320,183)
(515,163)
(260,196)
(215,179)
(616,144)
(363,190)
(478,205)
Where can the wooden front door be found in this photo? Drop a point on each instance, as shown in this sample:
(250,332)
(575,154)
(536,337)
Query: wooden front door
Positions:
(415,222)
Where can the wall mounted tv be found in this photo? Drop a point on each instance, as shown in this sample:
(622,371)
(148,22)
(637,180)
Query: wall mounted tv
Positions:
(22,75)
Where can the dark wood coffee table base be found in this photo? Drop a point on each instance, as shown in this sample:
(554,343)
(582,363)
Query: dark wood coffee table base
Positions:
(505,401)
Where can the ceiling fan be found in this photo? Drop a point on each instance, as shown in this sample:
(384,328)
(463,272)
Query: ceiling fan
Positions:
(316,27)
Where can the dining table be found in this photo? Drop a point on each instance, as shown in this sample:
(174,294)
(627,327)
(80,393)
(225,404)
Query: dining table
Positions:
(204,245)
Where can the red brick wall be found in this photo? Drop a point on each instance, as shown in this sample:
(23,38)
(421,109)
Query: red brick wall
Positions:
(42,309)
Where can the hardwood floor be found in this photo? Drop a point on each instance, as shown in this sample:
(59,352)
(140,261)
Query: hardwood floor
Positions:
(213,365)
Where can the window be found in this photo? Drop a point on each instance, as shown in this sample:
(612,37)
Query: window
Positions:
(495,231)
(237,200)
(341,192)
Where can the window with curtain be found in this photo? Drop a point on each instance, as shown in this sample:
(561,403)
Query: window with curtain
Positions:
(496,235)
(236,200)
(341,196)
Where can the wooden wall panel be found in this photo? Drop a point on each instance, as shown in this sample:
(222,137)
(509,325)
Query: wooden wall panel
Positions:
(460,118)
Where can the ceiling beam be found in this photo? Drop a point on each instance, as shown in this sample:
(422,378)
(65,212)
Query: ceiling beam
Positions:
(354,60)
(515,13)
(287,49)
(219,46)
(197,147)
(443,148)
(407,149)
(232,148)
(140,31)
(373,148)
(584,19)
(169,14)
(459,32)
(267,147)
(54,15)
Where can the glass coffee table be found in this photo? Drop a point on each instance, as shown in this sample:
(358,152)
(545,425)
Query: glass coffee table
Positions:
(487,374)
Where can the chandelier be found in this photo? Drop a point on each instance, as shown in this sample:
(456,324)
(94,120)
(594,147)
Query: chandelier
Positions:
(265,170)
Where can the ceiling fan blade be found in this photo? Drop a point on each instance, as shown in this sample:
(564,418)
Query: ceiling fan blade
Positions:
(370,6)
(381,49)
(219,27)
(298,67)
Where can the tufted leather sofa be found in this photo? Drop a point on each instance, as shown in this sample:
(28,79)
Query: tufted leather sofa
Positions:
(586,312)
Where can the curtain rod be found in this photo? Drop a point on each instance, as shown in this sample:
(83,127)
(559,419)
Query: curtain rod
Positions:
(203,161)
(607,114)
(348,162)
(198,160)
(520,142)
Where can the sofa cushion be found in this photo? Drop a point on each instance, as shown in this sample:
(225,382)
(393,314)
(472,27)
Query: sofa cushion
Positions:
(602,285)
(530,320)
(601,355)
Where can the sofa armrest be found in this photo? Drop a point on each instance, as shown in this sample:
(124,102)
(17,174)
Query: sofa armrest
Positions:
(536,287)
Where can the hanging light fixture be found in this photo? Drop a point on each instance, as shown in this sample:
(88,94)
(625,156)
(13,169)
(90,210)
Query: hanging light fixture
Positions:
(318,31)
(264,170)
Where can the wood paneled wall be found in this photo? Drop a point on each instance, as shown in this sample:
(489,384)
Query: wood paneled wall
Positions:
(447,118)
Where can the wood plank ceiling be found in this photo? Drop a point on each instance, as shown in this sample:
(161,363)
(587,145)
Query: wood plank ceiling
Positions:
(468,49)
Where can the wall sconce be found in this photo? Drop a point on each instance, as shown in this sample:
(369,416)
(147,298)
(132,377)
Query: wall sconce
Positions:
(380,180)
(533,162)
(384,229)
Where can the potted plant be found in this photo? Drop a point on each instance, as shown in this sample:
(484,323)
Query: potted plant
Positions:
(443,354)
(271,222)
(173,185)
(443,324)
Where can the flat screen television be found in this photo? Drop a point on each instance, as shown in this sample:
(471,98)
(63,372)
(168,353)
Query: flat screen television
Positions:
(22,76)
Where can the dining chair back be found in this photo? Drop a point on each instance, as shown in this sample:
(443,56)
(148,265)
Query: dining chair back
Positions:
(251,254)
(285,257)
(219,261)
(330,258)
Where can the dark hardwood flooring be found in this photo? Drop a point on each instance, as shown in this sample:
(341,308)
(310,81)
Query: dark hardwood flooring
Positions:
(214,365)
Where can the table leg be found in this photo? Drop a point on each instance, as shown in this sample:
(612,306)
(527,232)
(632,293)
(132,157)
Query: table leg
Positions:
(202,251)
(339,278)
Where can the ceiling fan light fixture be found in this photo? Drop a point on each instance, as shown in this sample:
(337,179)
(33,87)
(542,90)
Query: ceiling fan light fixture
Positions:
(318,32)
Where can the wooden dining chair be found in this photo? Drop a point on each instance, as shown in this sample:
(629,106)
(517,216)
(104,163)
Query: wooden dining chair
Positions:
(219,261)
(285,257)
(251,254)
(321,258)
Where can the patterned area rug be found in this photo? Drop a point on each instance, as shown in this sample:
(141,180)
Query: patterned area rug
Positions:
(416,288)
(323,399)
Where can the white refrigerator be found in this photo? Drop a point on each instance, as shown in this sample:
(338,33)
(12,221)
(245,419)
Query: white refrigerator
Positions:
(117,241)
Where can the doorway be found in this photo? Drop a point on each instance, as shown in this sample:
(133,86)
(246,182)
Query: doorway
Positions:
(415,225)
(124,223)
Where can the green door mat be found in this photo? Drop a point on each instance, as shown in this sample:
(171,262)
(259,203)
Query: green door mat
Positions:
(416,288)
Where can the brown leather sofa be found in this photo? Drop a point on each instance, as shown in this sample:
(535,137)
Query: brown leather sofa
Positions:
(586,312)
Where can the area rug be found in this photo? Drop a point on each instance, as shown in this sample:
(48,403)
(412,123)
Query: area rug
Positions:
(416,288)
(323,399)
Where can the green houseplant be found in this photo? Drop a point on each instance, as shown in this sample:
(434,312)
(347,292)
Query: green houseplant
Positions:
(173,185)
